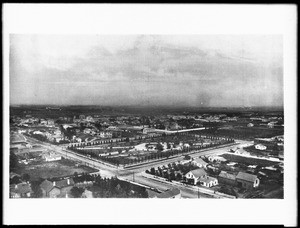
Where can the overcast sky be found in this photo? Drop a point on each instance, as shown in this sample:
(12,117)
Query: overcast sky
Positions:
(188,70)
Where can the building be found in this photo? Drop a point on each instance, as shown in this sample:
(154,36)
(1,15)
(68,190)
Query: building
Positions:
(21,190)
(52,157)
(250,125)
(260,147)
(104,134)
(246,180)
(56,188)
(227,178)
(208,181)
(87,194)
(196,175)
(216,159)
(199,162)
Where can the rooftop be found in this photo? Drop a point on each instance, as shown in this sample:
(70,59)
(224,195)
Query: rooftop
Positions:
(198,172)
(46,185)
(21,188)
(246,176)
(227,175)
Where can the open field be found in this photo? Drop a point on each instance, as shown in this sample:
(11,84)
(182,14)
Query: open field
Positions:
(53,169)
(248,133)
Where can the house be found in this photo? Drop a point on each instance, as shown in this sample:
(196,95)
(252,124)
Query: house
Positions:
(208,181)
(21,190)
(271,124)
(250,125)
(216,159)
(56,188)
(50,122)
(64,185)
(82,138)
(90,119)
(199,162)
(87,131)
(170,194)
(52,157)
(46,187)
(227,178)
(87,194)
(260,147)
(196,175)
(104,134)
(247,180)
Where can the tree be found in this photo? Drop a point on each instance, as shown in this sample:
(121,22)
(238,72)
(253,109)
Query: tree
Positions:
(172,176)
(37,191)
(178,176)
(77,192)
(15,180)
(187,157)
(168,145)
(13,161)
(26,177)
(152,171)
(159,147)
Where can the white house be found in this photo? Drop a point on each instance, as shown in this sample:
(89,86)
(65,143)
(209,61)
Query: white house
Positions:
(52,157)
(104,134)
(216,158)
(199,162)
(208,181)
(196,175)
(260,147)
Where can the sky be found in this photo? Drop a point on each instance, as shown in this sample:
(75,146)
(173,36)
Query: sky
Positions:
(146,70)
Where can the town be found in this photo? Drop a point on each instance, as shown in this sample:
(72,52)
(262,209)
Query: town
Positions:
(130,152)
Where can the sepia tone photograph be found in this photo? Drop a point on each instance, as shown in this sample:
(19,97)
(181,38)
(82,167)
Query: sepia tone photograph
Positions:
(146,116)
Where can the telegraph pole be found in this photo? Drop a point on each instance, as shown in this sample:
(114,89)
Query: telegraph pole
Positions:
(133,176)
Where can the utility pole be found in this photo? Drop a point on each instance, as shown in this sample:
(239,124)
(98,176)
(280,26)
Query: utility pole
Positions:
(133,176)
(198,194)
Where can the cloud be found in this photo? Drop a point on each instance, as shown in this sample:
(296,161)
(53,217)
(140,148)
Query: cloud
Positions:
(145,70)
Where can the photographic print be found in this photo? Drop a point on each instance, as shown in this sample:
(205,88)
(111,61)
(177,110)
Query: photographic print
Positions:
(149,114)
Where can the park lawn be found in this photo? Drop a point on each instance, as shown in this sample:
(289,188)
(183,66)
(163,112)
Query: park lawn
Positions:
(52,169)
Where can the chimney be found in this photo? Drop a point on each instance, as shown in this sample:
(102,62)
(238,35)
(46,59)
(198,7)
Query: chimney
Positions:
(54,183)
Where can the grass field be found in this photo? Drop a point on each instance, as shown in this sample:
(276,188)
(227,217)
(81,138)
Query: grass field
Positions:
(53,169)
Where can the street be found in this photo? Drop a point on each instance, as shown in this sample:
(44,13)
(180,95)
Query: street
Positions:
(134,173)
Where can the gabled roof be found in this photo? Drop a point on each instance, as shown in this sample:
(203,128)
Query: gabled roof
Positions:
(21,188)
(200,161)
(207,179)
(246,176)
(169,193)
(198,172)
(226,175)
(64,183)
(46,185)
